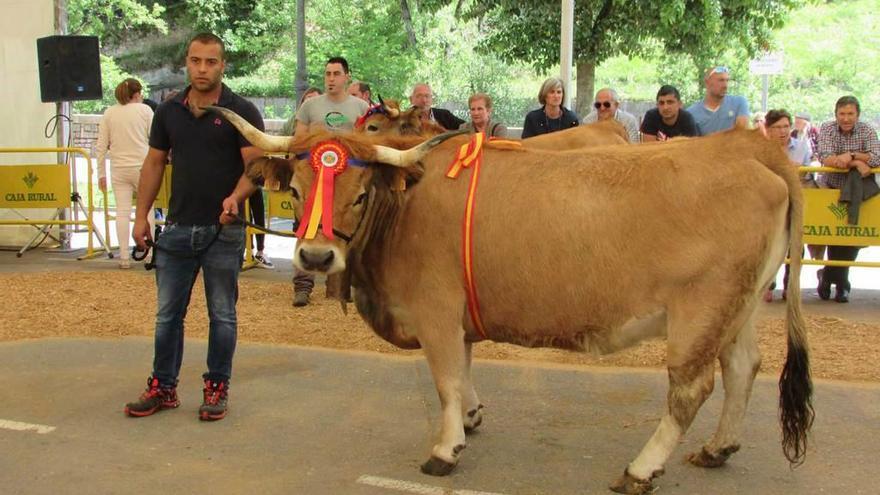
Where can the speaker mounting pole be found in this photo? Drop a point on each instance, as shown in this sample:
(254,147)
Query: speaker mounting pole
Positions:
(63,108)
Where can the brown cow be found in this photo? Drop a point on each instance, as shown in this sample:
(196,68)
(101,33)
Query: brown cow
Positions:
(611,246)
(387,118)
(603,132)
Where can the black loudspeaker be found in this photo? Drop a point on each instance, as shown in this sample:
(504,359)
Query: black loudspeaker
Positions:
(70,68)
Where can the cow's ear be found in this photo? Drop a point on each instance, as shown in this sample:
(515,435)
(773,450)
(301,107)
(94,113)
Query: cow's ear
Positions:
(272,172)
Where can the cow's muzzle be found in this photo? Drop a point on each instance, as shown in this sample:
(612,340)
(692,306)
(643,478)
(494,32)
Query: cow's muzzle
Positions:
(317,260)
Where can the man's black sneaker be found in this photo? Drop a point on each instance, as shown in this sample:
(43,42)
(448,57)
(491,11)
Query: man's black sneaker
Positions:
(155,398)
(214,404)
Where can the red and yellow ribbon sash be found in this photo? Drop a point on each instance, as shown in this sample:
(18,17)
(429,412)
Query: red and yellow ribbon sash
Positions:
(328,159)
(471,154)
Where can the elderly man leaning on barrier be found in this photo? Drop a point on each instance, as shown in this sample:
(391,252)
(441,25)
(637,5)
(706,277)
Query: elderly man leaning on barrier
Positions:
(847,144)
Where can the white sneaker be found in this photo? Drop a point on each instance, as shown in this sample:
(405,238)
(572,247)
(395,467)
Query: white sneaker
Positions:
(263,262)
(124,264)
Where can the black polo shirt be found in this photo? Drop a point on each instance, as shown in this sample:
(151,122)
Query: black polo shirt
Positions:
(684,126)
(205,154)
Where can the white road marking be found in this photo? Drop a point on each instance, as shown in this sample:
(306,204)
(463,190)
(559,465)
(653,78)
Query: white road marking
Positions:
(19,426)
(417,488)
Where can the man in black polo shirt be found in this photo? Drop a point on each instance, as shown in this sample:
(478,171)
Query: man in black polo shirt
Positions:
(668,120)
(209,158)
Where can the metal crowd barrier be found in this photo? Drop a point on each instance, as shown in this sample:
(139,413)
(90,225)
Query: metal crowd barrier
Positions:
(825,221)
(48,186)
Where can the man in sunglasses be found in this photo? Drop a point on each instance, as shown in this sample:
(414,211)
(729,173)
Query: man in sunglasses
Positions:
(606,107)
(668,120)
(719,111)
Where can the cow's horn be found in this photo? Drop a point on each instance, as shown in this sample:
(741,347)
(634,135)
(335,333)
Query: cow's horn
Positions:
(406,158)
(255,136)
(392,112)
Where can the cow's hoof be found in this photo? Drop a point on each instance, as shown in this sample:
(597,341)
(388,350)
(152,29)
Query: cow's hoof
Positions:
(473,419)
(705,459)
(436,466)
(631,485)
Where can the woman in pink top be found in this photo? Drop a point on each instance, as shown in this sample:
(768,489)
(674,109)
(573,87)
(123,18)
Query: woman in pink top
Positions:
(124,132)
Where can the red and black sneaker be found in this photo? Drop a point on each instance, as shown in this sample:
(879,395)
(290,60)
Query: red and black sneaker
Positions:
(155,398)
(214,404)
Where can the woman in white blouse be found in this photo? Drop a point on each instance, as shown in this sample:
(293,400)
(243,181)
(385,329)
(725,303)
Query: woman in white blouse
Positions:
(124,132)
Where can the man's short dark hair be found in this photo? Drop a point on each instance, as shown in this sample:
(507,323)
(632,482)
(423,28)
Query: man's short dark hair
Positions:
(774,116)
(338,60)
(668,89)
(848,100)
(207,39)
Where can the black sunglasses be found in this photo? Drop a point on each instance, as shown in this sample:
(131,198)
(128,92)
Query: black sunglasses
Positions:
(600,104)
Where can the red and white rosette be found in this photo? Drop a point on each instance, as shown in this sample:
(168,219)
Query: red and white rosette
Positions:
(328,159)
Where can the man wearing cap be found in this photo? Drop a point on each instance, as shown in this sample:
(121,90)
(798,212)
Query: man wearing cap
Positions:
(804,129)
(718,111)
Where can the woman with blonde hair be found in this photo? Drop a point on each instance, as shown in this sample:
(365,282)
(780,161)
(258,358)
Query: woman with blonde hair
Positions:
(124,132)
(552,116)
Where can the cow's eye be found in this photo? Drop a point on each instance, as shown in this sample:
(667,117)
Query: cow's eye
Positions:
(372,128)
(360,199)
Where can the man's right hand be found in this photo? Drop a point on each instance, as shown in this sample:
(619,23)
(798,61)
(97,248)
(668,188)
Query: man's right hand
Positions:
(141,233)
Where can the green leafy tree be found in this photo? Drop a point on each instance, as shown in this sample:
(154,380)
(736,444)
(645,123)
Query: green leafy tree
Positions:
(699,29)
(253,30)
(115,20)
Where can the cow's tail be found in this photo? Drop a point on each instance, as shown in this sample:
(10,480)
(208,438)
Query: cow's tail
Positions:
(795,384)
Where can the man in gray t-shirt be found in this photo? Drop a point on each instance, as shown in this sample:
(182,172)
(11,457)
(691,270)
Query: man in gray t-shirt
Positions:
(338,111)
(331,114)
(335,109)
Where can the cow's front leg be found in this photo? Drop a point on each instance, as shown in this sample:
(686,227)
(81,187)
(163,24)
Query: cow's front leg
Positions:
(445,350)
(471,409)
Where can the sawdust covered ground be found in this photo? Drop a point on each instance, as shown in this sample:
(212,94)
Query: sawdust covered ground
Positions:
(117,304)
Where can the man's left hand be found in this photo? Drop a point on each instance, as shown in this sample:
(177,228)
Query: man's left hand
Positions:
(230,210)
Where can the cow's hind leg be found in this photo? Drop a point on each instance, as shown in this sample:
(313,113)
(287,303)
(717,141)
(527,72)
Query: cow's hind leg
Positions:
(740,361)
(471,409)
(691,357)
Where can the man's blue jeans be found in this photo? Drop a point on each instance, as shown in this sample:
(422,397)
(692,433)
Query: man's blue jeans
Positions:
(183,251)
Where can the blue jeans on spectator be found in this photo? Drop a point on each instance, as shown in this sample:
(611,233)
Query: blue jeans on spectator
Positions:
(183,251)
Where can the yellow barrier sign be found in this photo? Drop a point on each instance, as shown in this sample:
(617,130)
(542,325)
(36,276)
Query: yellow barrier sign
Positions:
(163,197)
(280,205)
(825,220)
(34,186)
